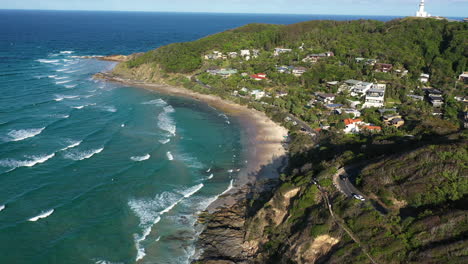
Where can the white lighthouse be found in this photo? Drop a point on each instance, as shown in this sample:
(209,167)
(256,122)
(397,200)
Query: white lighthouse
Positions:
(421,12)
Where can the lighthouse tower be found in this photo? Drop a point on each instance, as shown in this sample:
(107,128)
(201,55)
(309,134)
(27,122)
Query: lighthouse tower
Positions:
(421,12)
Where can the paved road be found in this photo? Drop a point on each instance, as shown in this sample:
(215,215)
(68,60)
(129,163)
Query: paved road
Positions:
(342,182)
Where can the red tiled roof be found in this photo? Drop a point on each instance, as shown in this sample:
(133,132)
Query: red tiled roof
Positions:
(372,127)
(350,121)
(258,76)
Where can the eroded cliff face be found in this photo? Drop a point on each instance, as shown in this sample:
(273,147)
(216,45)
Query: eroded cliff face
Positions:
(233,237)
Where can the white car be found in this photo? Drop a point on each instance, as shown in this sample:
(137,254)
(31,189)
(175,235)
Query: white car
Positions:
(358,197)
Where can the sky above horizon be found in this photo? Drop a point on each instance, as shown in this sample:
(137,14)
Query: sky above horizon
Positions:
(451,8)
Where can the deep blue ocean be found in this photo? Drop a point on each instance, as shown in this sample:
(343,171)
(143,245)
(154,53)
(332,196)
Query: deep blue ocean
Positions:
(93,172)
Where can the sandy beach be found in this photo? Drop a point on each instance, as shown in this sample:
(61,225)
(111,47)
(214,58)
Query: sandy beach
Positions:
(262,137)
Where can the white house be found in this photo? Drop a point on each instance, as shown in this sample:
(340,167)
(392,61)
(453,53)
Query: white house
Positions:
(258,94)
(424,78)
(245,54)
(326,98)
(358,88)
(279,51)
(374,98)
(298,71)
(351,111)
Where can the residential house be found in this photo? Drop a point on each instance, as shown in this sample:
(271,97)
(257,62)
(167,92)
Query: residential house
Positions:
(383,67)
(463,77)
(357,88)
(382,111)
(298,71)
(325,98)
(371,62)
(424,78)
(258,94)
(354,104)
(371,128)
(279,51)
(352,125)
(350,111)
(284,69)
(313,58)
(416,97)
(233,55)
(463,99)
(393,120)
(401,73)
(374,98)
(245,54)
(215,55)
(281,94)
(255,53)
(259,76)
(333,106)
(331,84)
(225,73)
(434,97)
(381,86)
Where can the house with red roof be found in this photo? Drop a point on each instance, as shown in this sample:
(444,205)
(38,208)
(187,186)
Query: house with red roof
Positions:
(357,125)
(259,76)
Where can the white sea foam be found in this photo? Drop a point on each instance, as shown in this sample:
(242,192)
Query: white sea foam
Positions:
(59,98)
(66,52)
(31,162)
(41,216)
(149,212)
(190,161)
(70,86)
(52,76)
(71,71)
(82,106)
(110,109)
(2,207)
(159,102)
(230,171)
(231,185)
(141,158)
(210,177)
(166,123)
(208,170)
(82,155)
(61,70)
(47,61)
(63,82)
(164,141)
(72,145)
(169,156)
(18,135)
(60,78)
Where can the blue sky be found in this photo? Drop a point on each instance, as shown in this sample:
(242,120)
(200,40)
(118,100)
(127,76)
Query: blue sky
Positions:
(457,8)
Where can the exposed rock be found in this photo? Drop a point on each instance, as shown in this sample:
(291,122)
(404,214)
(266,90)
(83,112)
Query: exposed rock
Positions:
(309,252)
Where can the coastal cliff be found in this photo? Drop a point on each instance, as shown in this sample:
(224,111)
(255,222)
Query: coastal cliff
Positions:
(398,196)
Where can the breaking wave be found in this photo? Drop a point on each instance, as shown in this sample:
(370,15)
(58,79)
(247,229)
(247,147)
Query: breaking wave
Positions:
(2,207)
(47,61)
(158,102)
(22,134)
(82,155)
(72,145)
(164,141)
(169,156)
(41,216)
(33,160)
(59,98)
(141,158)
(149,211)
(166,123)
(66,52)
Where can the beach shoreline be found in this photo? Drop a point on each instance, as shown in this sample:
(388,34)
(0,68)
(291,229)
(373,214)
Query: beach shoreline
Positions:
(263,139)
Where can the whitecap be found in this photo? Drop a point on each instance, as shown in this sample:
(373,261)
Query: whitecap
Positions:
(70,86)
(47,61)
(141,158)
(208,170)
(210,177)
(82,155)
(158,102)
(166,123)
(71,71)
(41,216)
(60,78)
(169,156)
(63,82)
(59,98)
(18,135)
(230,171)
(52,76)
(164,141)
(33,160)
(110,109)
(122,125)
(67,52)
(231,185)
(2,207)
(61,70)
(72,145)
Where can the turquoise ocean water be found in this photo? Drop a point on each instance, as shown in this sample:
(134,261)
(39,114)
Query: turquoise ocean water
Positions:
(93,172)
